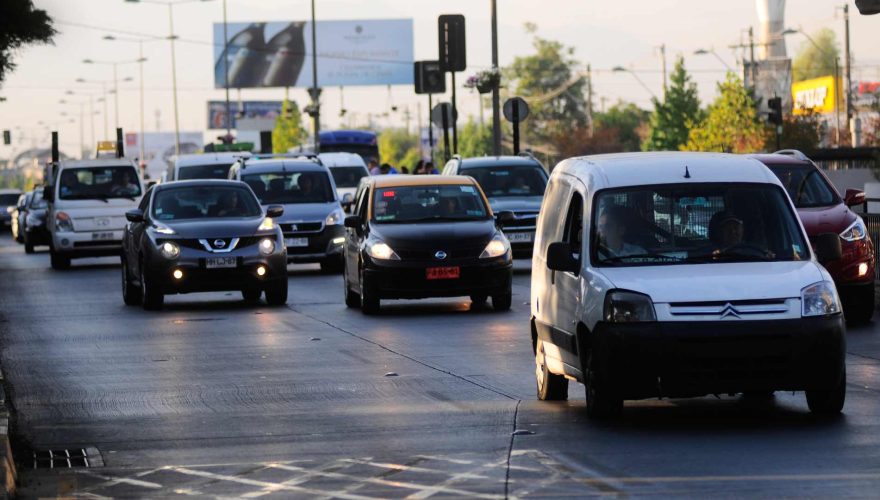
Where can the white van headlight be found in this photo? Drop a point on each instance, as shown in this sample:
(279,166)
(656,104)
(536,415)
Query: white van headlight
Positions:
(819,299)
(856,231)
(337,216)
(381,251)
(628,307)
(497,247)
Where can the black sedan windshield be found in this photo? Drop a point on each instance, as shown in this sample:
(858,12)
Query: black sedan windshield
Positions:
(499,182)
(291,187)
(204,202)
(428,203)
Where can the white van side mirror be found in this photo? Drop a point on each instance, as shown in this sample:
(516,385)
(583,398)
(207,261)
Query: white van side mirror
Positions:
(561,258)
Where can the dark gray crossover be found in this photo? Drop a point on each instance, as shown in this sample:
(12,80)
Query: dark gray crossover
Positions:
(199,236)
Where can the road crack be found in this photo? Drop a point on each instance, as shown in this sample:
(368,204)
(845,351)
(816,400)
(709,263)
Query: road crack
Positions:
(510,451)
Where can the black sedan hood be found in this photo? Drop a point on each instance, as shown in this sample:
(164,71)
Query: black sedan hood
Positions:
(219,228)
(471,236)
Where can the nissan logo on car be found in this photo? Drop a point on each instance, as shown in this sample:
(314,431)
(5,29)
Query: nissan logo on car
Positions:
(219,243)
(440,255)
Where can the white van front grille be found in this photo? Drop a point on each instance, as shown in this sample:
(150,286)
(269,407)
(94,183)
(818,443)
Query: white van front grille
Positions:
(735,309)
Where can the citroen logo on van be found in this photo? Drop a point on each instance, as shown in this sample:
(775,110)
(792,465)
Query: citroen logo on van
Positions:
(440,255)
(728,311)
(219,243)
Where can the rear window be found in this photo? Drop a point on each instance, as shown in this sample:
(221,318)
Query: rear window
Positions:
(216,171)
(806,186)
(519,180)
(291,187)
(348,177)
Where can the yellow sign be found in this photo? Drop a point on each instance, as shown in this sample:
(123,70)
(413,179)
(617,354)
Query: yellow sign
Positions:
(814,96)
(106,146)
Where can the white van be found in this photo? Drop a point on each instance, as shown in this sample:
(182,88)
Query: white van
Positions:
(202,166)
(87,204)
(659,275)
(348,169)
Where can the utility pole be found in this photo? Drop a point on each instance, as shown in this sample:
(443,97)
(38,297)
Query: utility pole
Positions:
(226,74)
(752,73)
(663,62)
(590,128)
(496,95)
(849,106)
(316,93)
(171,37)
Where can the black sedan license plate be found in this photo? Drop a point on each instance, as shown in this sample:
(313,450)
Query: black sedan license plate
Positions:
(221,262)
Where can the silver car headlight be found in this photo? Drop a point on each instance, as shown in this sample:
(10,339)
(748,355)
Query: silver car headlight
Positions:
(169,250)
(628,307)
(856,231)
(336,217)
(267,246)
(497,247)
(819,299)
(381,251)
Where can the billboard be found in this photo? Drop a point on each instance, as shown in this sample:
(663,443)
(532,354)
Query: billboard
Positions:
(814,96)
(279,54)
(247,109)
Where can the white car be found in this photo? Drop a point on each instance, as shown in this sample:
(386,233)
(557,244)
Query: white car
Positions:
(348,169)
(633,306)
(202,166)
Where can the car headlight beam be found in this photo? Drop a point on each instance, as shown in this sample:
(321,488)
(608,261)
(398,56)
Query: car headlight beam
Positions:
(267,246)
(267,225)
(496,247)
(381,251)
(819,299)
(856,231)
(169,250)
(336,217)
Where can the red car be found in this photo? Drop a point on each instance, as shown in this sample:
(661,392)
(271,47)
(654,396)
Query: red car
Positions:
(822,210)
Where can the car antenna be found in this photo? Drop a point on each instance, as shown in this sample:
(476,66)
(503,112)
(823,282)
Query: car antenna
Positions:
(687,173)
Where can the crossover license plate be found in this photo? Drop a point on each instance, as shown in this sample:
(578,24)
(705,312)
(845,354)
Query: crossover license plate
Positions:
(443,273)
(519,237)
(296,242)
(221,262)
(103,236)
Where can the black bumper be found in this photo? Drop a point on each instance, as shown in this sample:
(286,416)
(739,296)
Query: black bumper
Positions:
(38,235)
(409,280)
(197,278)
(320,247)
(683,359)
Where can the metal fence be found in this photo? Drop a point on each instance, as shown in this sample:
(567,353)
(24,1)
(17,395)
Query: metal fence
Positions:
(872,224)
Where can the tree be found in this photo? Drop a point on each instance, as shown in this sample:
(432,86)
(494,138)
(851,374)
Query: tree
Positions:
(21,24)
(289,131)
(798,132)
(731,123)
(550,81)
(399,148)
(474,139)
(626,119)
(673,118)
(815,60)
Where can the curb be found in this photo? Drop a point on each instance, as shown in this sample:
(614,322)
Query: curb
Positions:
(8,474)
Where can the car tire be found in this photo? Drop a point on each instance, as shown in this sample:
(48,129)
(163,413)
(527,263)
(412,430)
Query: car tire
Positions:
(828,403)
(370,303)
(600,404)
(352,298)
(502,302)
(858,308)
(550,387)
(251,294)
(331,266)
(276,294)
(151,299)
(59,262)
(28,246)
(131,294)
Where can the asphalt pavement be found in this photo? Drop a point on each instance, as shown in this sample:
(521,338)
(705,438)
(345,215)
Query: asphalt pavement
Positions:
(214,396)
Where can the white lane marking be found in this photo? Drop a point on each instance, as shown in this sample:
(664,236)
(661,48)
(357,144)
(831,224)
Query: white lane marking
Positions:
(113,481)
(262,484)
(307,476)
(454,478)
(402,467)
(446,459)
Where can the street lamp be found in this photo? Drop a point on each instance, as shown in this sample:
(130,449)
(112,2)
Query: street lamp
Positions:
(621,69)
(141,59)
(81,104)
(115,64)
(171,38)
(701,52)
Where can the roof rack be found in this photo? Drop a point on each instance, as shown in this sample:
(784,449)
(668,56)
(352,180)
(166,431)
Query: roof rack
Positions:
(794,153)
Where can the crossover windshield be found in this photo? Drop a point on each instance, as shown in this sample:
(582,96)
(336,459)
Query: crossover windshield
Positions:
(204,202)
(499,182)
(291,187)
(348,177)
(99,183)
(429,204)
(806,186)
(695,223)
(217,171)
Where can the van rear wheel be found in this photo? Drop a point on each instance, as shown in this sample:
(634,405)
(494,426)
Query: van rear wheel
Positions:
(550,387)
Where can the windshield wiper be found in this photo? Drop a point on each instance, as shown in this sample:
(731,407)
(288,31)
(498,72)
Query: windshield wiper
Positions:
(656,256)
(436,218)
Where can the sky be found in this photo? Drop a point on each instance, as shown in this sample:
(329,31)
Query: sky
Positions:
(603,34)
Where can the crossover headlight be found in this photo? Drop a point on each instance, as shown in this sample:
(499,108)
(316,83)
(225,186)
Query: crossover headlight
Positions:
(497,247)
(819,299)
(267,225)
(337,216)
(63,222)
(381,251)
(856,231)
(169,250)
(628,307)
(267,246)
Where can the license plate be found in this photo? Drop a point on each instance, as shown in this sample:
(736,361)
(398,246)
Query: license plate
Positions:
(519,237)
(443,273)
(221,262)
(296,242)
(102,236)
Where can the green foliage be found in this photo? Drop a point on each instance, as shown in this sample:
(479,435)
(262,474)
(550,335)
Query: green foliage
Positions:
(474,139)
(812,61)
(798,132)
(289,131)
(21,24)
(398,147)
(627,120)
(731,123)
(673,118)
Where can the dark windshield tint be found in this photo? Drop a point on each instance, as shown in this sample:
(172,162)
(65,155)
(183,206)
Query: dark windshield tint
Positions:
(348,177)
(220,171)
(428,203)
(8,200)
(205,202)
(99,183)
(805,185)
(291,187)
(695,223)
(498,182)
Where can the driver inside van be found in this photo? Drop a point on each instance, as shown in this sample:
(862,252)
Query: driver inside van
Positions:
(611,231)
(725,230)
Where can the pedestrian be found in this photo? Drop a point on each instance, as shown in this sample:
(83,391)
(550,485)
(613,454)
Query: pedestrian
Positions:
(373,165)
(429,169)
(386,169)
(419,168)
(404,170)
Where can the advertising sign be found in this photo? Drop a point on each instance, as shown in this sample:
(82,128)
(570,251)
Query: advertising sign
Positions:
(246,109)
(814,96)
(279,54)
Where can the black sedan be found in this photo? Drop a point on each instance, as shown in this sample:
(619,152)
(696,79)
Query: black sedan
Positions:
(200,236)
(415,237)
(30,221)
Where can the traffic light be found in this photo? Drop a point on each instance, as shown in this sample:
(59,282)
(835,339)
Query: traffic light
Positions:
(429,78)
(452,47)
(775,114)
(7,137)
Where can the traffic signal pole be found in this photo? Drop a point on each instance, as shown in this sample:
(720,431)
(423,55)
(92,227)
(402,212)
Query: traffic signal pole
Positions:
(496,93)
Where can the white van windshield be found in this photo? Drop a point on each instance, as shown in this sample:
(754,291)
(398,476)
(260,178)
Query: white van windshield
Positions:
(694,223)
(99,183)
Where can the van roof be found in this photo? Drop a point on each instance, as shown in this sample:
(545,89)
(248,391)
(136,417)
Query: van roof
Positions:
(638,169)
(278,165)
(209,158)
(342,159)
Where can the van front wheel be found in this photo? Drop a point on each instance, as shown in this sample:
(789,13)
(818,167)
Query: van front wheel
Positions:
(550,387)
(600,404)
(828,403)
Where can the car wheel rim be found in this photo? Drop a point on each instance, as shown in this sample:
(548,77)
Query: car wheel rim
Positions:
(540,367)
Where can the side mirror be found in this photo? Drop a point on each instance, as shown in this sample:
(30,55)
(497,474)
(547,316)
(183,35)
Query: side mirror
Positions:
(503,218)
(827,247)
(274,211)
(346,202)
(135,215)
(353,222)
(561,258)
(854,197)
